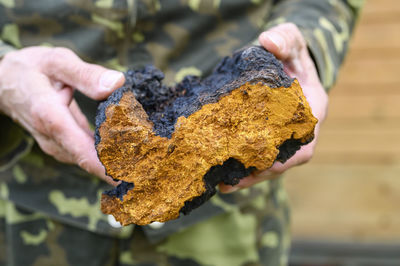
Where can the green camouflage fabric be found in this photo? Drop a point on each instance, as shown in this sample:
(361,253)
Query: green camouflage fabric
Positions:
(50,213)
(326,25)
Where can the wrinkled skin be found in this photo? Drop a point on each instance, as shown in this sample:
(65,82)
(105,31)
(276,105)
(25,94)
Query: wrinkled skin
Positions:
(286,42)
(36,90)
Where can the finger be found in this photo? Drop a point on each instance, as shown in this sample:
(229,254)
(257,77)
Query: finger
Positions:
(52,148)
(276,170)
(254,178)
(300,157)
(61,126)
(284,41)
(92,80)
(80,118)
(65,94)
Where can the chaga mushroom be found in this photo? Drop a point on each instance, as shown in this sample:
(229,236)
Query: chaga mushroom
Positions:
(171,146)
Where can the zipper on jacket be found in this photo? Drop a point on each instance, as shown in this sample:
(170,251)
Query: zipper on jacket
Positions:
(129,29)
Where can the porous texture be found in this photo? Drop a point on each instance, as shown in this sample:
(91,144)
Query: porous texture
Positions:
(172,145)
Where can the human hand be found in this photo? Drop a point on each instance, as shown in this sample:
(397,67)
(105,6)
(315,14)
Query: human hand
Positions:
(36,90)
(286,42)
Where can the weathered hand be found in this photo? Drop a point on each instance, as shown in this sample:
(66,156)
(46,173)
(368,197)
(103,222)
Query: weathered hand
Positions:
(286,42)
(36,90)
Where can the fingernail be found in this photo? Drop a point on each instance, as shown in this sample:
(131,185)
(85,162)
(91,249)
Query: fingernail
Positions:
(276,38)
(231,190)
(109,79)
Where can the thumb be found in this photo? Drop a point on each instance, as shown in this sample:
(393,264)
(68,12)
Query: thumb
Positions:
(94,81)
(285,41)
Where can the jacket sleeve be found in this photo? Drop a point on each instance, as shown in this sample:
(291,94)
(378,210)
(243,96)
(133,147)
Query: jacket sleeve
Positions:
(14,141)
(326,25)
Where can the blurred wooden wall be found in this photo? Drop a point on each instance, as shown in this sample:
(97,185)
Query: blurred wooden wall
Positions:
(351,188)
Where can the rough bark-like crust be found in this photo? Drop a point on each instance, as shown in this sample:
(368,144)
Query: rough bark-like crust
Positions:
(172,146)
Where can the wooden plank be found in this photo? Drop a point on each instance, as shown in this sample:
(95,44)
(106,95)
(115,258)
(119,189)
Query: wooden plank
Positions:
(353,133)
(382,13)
(380,7)
(371,71)
(377,36)
(351,188)
(363,136)
(376,108)
(358,202)
(350,157)
(353,89)
(372,53)
(381,18)
(384,126)
(368,142)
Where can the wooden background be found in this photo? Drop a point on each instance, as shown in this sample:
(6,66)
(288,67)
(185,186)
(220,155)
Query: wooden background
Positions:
(351,189)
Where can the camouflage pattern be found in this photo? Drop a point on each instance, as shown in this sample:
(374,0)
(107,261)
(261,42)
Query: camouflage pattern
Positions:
(49,212)
(326,25)
(255,233)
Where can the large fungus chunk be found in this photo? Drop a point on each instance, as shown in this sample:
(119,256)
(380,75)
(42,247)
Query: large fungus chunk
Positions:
(172,145)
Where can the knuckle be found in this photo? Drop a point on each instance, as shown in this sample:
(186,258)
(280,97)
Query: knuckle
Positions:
(83,163)
(84,73)
(275,171)
(54,127)
(37,113)
(9,56)
(324,98)
(51,148)
(61,52)
(293,32)
(44,123)
(62,157)
(292,26)
(11,60)
(307,156)
(56,57)
(37,124)
(47,146)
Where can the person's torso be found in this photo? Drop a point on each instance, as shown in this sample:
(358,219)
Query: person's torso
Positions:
(181,37)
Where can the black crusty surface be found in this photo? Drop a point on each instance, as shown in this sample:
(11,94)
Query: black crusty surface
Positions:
(164,105)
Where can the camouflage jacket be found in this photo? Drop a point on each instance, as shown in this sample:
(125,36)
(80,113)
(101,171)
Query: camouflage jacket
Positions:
(179,36)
